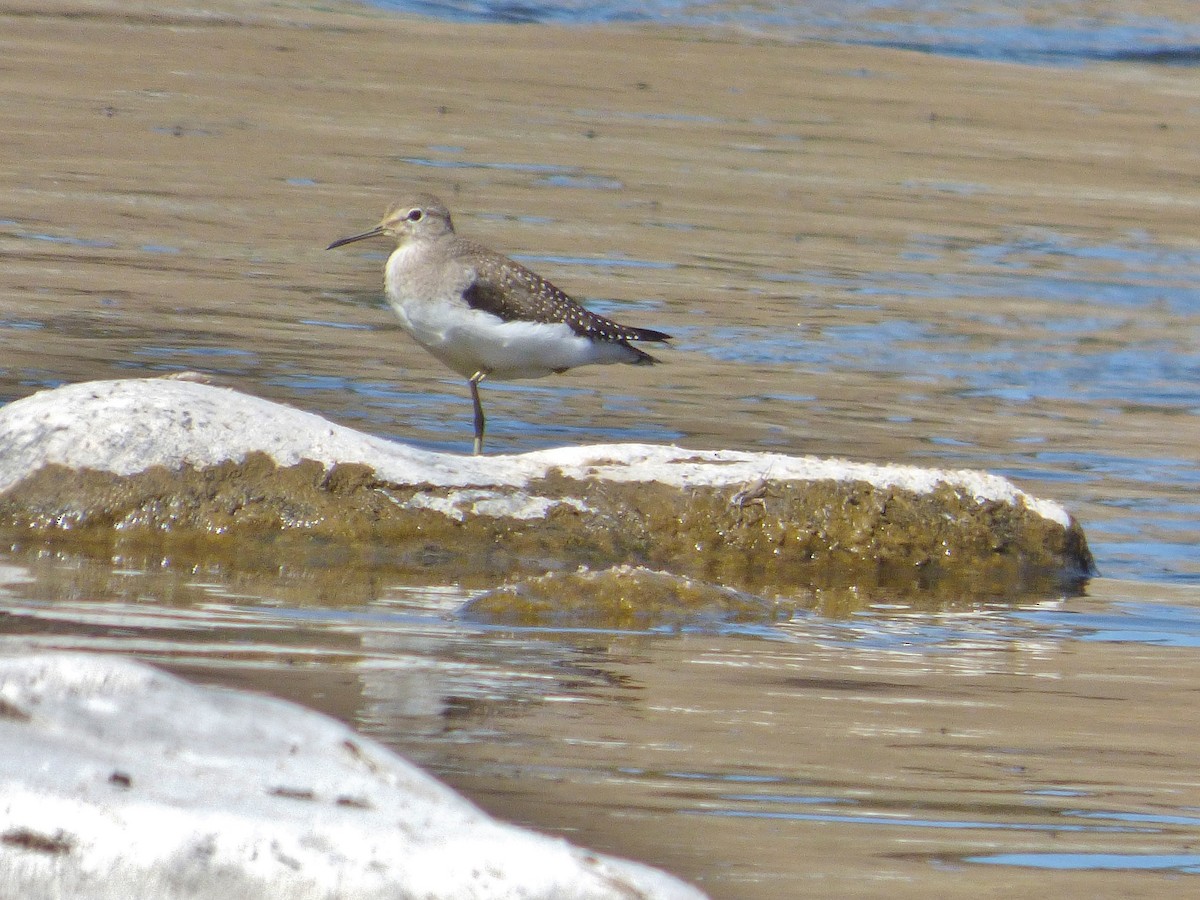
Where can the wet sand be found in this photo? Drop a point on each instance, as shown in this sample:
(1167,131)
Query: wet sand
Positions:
(172,176)
(183,131)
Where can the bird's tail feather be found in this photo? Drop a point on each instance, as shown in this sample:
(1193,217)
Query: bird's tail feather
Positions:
(643,358)
(644,334)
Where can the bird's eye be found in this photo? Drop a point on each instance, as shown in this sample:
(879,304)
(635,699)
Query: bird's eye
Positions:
(415,215)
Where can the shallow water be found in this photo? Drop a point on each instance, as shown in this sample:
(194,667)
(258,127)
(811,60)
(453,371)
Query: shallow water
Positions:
(862,253)
(921,753)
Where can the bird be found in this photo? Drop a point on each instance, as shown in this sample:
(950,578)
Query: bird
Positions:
(484,315)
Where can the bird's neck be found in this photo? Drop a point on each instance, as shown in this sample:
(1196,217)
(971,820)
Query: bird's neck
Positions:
(400,263)
(420,269)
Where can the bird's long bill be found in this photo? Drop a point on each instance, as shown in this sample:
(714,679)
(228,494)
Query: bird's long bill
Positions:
(374,232)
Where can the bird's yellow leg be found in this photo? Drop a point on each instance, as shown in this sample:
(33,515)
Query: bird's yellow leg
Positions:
(473,381)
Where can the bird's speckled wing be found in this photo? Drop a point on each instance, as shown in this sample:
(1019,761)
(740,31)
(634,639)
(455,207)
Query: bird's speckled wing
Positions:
(507,289)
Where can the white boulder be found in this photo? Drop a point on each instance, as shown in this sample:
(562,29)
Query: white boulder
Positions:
(120,782)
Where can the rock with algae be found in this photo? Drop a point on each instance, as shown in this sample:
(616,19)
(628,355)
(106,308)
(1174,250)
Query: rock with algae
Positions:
(123,782)
(625,598)
(177,460)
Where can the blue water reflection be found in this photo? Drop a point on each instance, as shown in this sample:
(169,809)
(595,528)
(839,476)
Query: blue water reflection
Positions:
(1163,625)
(1053,32)
(1188,863)
(897,629)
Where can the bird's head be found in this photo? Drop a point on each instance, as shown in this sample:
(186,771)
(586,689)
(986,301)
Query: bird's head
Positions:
(417,217)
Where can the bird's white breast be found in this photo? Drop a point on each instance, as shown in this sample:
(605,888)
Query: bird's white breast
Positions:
(428,300)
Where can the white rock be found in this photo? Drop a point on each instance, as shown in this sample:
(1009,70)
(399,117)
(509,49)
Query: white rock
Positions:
(127,426)
(119,781)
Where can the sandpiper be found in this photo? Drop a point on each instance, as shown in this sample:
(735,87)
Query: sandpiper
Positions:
(484,315)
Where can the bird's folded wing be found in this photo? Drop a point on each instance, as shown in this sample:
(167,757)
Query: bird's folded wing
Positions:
(512,292)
